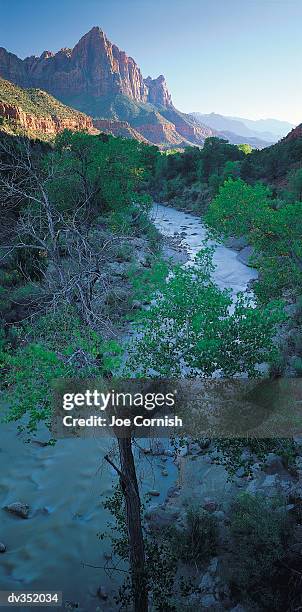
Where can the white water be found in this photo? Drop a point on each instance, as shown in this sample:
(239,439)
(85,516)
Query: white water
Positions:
(229,273)
(66,485)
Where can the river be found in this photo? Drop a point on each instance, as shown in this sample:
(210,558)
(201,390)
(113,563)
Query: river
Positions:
(65,485)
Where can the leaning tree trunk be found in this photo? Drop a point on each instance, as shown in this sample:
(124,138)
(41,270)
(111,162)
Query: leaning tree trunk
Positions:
(134,525)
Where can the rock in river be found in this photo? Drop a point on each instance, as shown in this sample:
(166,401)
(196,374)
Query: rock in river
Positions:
(18,509)
(2,547)
(245,255)
(102,593)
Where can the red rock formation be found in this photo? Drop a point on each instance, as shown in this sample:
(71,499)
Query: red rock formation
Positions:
(94,67)
(158,93)
(48,125)
(160,133)
(295,133)
(99,79)
(118,128)
(189,128)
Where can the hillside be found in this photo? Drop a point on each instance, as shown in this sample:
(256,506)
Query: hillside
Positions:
(37,113)
(273,164)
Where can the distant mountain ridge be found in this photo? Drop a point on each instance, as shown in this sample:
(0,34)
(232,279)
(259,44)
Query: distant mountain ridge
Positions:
(269,130)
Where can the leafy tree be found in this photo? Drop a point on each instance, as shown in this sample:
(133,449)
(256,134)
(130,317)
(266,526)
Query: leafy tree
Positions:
(275,232)
(239,209)
(190,328)
(103,175)
(245,148)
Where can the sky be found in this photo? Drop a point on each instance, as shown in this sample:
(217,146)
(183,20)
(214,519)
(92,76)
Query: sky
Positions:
(233,57)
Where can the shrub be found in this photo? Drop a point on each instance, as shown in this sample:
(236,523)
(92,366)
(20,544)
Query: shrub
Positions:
(260,529)
(26,294)
(199,540)
(124,252)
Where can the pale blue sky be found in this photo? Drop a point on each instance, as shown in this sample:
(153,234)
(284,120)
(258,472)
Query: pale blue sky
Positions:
(234,57)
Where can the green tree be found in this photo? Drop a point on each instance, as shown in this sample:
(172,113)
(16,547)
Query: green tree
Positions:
(274,231)
(245,148)
(239,209)
(192,329)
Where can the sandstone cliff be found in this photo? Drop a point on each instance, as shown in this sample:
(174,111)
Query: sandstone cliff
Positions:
(118,128)
(36,113)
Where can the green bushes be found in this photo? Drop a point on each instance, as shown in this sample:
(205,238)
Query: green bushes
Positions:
(58,345)
(190,178)
(260,531)
(240,209)
(197,542)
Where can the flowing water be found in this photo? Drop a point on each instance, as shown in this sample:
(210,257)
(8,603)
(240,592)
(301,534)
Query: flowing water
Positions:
(66,485)
(229,273)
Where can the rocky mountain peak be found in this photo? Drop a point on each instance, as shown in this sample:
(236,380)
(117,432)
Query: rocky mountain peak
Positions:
(94,67)
(158,93)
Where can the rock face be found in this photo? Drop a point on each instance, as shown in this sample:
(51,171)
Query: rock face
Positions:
(48,125)
(295,133)
(158,93)
(94,67)
(118,128)
(37,113)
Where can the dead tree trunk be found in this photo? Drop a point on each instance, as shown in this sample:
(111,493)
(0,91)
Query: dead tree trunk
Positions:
(130,489)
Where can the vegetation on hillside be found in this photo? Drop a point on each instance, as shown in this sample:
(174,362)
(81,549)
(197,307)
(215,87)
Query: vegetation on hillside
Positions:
(35,101)
(191,179)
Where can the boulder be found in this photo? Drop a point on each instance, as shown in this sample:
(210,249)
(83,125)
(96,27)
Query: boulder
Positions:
(162,517)
(245,255)
(208,601)
(194,448)
(207,582)
(213,566)
(274,464)
(210,505)
(2,547)
(18,509)
(102,593)
(236,243)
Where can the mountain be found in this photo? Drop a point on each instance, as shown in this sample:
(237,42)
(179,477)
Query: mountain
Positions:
(37,113)
(270,130)
(254,141)
(233,130)
(99,79)
(272,126)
